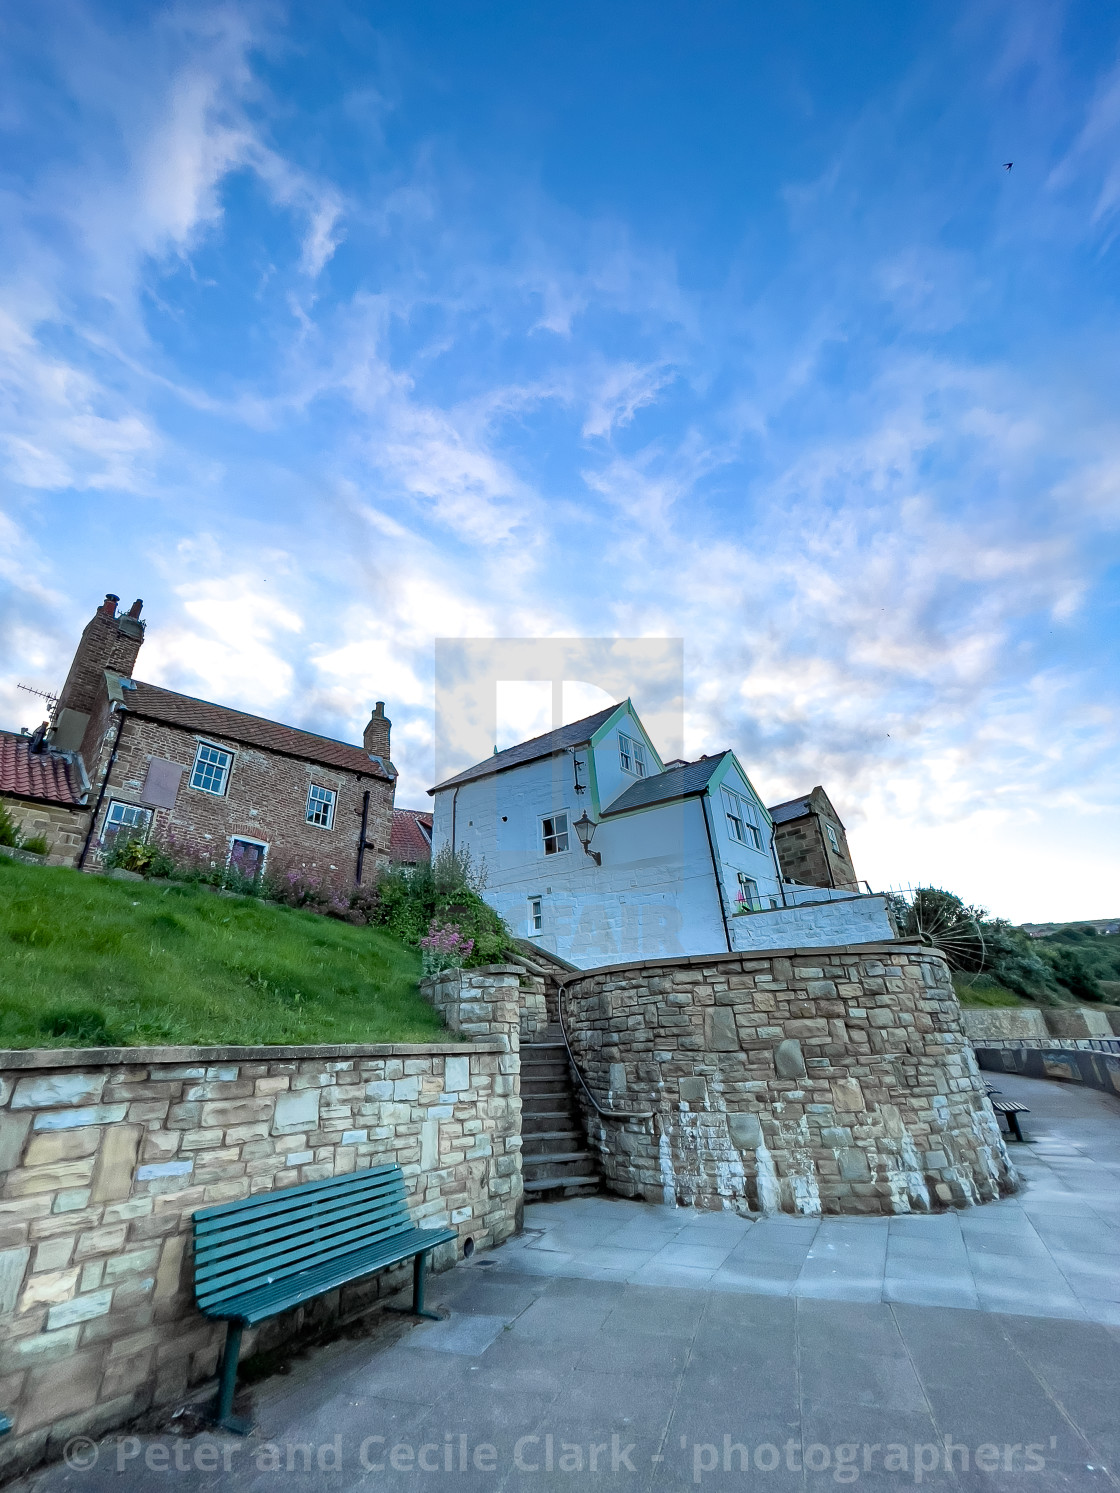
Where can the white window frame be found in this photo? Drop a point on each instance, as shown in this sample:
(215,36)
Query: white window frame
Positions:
(631,755)
(110,832)
(330,799)
(556,834)
(536,916)
(247,840)
(833,838)
(226,768)
(742,819)
(749,899)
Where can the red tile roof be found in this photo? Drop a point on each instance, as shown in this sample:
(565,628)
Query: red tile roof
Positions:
(409,844)
(172,709)
(46,776)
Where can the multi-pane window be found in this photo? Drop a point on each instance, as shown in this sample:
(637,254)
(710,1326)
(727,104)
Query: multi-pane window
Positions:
(536,916)
(832,840)
(742,819)
(555,830)
(127,820)
(632,755)
(211,768)
(748,893)
(320,806)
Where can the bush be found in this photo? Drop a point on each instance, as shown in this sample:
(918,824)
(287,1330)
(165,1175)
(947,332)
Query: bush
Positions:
(411,903)
(36,844)
(411,898)
(9,830)
(146,857)
(1073,970)
(973,942)
(444,947)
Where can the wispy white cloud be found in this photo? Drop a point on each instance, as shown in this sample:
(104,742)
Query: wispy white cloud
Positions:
(881,541)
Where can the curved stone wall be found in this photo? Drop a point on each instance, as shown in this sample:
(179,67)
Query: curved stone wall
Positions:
(824,1080)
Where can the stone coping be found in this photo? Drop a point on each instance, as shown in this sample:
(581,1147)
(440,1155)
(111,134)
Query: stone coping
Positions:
(686,961)
(118,1057)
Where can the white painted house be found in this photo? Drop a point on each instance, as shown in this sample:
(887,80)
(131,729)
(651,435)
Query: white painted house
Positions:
(679,856)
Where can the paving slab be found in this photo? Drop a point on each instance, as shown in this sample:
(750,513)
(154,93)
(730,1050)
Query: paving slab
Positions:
(637,1349)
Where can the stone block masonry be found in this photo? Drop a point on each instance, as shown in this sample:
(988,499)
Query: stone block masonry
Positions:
(835,1080)
(105,1155)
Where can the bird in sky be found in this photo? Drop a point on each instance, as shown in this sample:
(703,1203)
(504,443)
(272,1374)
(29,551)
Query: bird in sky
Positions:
(1007,165)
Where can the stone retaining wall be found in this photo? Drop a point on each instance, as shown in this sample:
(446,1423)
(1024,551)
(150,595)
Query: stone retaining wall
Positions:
(1039,1023)
(836,1080)
(1067,1064)
(104,1156)
(467,999)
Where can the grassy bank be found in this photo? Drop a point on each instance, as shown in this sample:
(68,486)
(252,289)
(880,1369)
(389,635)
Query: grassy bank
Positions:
(973,990)
(88,961)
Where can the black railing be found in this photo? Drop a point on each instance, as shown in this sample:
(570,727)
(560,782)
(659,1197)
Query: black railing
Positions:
(609,1114)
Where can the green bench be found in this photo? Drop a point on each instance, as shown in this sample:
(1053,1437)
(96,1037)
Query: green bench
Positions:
(262,1256)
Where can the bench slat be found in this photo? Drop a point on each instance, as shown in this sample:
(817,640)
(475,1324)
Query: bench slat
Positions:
(271,1297)
(278,1259)
(312,1228)
(292,1199)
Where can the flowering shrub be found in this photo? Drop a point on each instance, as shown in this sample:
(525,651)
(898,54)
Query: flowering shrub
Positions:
(444,947)
(129,853)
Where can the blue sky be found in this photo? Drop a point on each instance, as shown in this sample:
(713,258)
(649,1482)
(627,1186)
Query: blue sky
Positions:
(330,330)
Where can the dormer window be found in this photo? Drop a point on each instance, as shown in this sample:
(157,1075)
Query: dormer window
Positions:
(632,756)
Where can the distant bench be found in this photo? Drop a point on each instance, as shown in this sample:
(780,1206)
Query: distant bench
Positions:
(257,1258)
(1010,1109)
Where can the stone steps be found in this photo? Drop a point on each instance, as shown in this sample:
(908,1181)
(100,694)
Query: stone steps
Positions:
(554,1158)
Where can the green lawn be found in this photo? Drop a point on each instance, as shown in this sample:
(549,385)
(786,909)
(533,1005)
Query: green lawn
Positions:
(86,961)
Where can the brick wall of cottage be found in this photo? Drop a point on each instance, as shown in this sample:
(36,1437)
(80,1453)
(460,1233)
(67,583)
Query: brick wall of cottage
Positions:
(105,1156)
(265,799)
(836,1080)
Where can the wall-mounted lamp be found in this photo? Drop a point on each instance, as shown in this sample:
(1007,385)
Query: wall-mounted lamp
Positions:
(585,828)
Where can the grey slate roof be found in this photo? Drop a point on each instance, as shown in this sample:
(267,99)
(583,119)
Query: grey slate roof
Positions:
(574,734)
(794,808)
(678,782)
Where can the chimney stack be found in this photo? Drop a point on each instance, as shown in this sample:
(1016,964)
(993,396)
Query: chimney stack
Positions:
(375,738)
(109,641)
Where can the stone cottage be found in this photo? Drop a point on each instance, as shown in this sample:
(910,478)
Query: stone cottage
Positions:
(811,844)
(220,784)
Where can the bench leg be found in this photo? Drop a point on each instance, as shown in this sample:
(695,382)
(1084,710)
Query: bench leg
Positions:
(1013,1125)
(418,1288)
(227,1382)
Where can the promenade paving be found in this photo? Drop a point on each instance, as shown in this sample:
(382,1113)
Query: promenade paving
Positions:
(623,1346)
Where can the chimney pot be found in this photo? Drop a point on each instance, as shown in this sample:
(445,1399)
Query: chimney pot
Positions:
(136,608)
(109,605)
(379,708)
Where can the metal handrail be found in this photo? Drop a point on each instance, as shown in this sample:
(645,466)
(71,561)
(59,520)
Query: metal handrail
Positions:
(609,1114)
